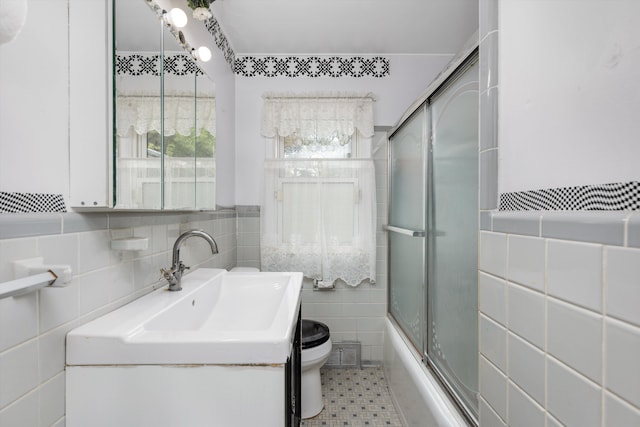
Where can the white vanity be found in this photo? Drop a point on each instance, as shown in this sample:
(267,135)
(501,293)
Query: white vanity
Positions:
(221,352)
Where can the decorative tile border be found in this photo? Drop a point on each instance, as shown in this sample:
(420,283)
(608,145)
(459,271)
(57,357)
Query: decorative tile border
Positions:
(221,40)
(31,202)
(145,64)
(312,66)
(613,228)
(604,197)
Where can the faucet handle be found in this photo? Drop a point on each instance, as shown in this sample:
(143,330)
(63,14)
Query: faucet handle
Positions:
(167,274)
(182,267)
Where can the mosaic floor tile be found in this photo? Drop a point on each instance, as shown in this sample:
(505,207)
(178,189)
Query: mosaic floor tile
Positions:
(355,398)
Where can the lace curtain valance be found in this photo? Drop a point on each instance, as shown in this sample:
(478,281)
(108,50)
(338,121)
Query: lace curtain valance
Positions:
(143,114)
(320,115)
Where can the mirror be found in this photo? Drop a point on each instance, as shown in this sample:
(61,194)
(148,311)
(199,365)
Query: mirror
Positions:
(164,148)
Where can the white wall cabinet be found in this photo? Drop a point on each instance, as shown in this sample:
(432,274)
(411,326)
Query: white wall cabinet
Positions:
(90,109)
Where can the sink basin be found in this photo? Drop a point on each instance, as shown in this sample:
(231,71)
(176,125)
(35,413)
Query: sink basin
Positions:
(218,318)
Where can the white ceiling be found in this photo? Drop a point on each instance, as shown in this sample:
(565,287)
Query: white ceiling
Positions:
(346,26)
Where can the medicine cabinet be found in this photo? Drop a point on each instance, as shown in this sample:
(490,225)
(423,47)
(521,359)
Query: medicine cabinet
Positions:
(142,112)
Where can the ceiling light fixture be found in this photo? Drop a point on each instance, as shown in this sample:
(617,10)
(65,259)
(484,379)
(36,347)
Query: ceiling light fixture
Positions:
(201,54)
(176,17)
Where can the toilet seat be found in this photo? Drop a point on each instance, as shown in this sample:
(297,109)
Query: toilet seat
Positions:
(314,333)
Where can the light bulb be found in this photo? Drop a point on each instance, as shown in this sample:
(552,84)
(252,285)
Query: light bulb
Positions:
(202,53)
(177,17)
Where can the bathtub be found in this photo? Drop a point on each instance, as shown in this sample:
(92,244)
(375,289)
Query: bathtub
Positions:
(418,396)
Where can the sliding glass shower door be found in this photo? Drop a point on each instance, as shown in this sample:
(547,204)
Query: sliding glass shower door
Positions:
(407,205)
(452,273)
(433,192)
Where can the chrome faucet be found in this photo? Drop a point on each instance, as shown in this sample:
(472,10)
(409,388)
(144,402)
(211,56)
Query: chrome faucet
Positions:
(174,274)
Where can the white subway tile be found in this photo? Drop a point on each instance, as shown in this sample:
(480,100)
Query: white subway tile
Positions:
(52,400)
(94,250)
(365,310)
(337,337)
(574,272)
(52,352)
(526,314)
(58,305)
(493,253)
(147,270)
(370,324)
(378,296)
(493,387)
(526,261)
(488,417)
(121,281)
(14,250)
(492,297)
(18,319)
(524,411)
(622,373)
(526,367)
(339,324)
(18,371)
(59,249)
(493,342)
(159,238)
(94,290)
(377,353)
(552,422)
(571,398)
(371,338)
(622,283)
(23,412)
(617,412)
(574,336)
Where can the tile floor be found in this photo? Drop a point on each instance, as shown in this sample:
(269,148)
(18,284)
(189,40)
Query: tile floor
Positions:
(356,398)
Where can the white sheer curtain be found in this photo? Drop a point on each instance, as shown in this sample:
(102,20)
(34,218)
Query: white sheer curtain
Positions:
(319,215)
(143,114)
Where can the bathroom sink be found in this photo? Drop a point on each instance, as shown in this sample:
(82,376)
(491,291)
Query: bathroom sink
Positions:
(219,317)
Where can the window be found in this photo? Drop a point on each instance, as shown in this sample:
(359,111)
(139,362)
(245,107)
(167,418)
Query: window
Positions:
(318,214)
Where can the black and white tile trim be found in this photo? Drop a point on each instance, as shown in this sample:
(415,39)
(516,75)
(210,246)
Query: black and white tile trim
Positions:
(139,64)
(604,197)
(221,40)
(31,202)
(312,66)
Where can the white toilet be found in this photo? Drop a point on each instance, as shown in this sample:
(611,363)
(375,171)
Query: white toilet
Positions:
(316,348)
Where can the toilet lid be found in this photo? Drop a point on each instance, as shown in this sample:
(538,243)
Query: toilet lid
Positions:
(314,333)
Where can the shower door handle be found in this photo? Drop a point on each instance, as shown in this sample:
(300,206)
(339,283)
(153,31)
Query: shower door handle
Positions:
(405,231)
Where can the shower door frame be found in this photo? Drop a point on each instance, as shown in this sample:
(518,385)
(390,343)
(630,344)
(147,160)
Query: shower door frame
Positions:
(469,60)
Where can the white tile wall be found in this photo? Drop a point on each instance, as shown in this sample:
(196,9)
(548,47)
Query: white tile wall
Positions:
(523,411)
(527,367)
(574,272)
(622,278)
(572,398)
(493,387)
(569,312)
(622,348)
(33,327)
(526,314)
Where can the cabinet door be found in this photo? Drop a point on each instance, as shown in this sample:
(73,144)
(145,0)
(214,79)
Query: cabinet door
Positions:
(90,115)
(137,96)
